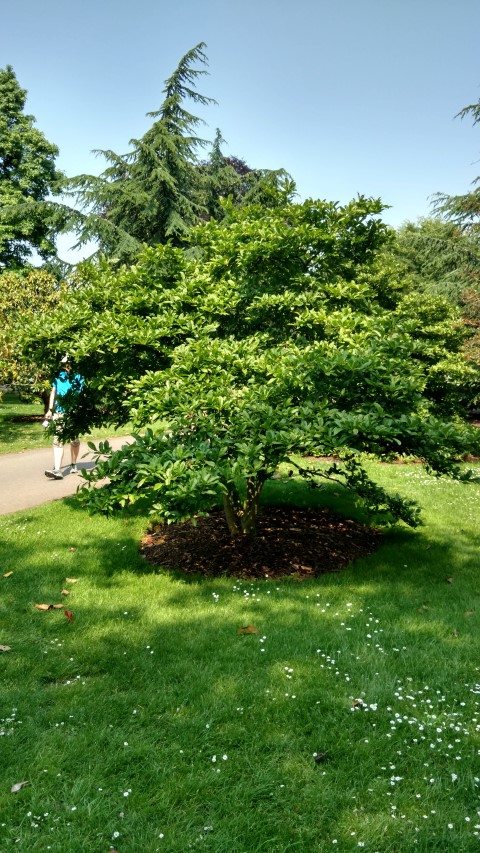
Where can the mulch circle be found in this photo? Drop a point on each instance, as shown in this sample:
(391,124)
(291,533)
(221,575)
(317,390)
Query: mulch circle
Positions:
(24,419)
(300,543)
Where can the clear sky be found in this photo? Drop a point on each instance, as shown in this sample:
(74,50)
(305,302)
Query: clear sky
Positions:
(350,96)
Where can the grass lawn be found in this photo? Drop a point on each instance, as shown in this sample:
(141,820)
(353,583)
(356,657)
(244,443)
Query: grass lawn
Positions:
(25,434)
(150,724)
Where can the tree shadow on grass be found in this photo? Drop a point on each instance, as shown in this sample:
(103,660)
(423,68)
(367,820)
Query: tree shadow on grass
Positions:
(390,560)
(162,686)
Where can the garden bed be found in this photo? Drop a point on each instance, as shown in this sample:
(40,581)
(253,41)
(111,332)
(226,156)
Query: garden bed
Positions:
(290,541)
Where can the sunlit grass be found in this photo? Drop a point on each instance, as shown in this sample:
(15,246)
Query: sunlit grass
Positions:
(150,724)
(17,433)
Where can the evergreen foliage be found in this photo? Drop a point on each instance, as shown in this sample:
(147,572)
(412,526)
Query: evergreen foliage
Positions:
(463,210)
(442,258)
(153,193)
(161,189)
(229,181)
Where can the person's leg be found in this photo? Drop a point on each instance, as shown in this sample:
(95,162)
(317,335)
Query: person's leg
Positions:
(55,473)
(57,454)
(74,450)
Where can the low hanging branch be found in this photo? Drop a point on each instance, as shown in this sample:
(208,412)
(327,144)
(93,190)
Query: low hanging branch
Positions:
(349,473)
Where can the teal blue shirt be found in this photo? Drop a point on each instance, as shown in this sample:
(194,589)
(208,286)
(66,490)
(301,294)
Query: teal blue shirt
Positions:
(64,383)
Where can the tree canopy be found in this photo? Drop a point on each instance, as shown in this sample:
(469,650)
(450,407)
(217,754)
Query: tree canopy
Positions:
(27,176)
(286,333)
(229,178)
(24,294)
(444,260)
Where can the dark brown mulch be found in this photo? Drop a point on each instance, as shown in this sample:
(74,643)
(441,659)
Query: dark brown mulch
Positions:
(302,543)
(24,419)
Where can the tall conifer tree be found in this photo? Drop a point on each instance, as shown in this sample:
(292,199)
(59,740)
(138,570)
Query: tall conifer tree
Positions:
(160,190)
(463,210)
(154,192)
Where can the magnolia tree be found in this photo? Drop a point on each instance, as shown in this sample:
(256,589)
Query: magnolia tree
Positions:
(286,333)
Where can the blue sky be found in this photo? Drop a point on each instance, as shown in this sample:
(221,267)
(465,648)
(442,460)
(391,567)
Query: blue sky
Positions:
(350,96)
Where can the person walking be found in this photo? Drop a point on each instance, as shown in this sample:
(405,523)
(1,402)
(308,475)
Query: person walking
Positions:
(63,384)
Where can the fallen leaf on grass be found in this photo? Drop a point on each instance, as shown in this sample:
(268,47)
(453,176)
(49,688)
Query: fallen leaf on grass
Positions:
(455,633)
(65,592)
(8,574)
(18,787)
(49,606)
(72,549)
(469,613)
(247,629)
(5,648)
(449,580)
(69,615)
(71,580)
(301,568)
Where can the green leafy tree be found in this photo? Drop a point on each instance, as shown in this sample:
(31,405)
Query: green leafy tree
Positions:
(440,335)
(28,175)
(24,294)
(284,335)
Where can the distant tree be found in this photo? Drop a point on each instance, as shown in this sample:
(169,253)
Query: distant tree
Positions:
(470,306)
(161,189)
(442,258)
(28,175)
(286,335)
(230,178)
(153,193)
(23,295)
(463,210)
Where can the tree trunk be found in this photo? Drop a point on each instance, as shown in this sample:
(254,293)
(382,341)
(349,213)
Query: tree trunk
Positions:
(241,515)
(45,395)
(250,510)
(231,515)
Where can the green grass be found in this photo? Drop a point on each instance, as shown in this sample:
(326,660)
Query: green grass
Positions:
(151,717)
(16,435)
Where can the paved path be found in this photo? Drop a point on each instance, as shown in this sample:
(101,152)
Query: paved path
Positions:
(22,476)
